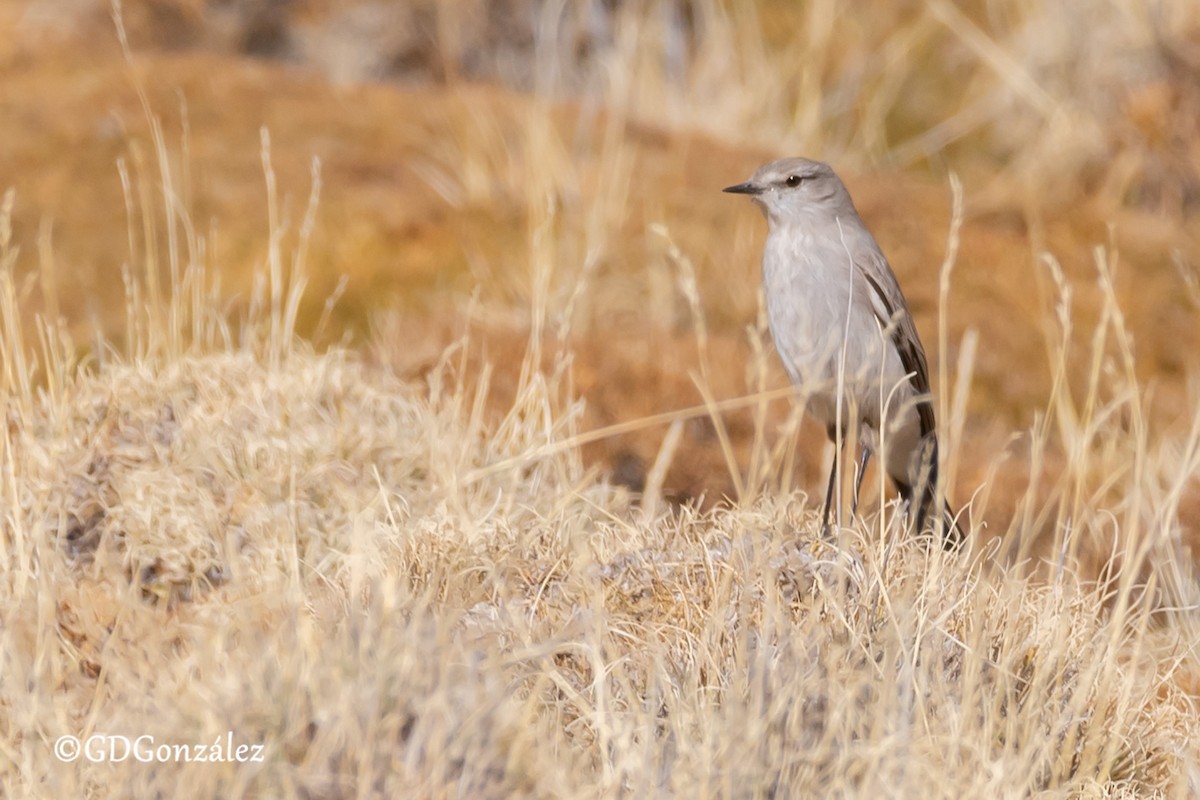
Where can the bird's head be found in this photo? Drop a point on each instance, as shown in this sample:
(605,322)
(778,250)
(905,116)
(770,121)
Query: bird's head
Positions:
(794,188)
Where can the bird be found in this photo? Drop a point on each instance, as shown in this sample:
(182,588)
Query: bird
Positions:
(839,319)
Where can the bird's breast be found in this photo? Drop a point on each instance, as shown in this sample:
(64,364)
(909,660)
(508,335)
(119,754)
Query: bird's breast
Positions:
(807,292)
(823,324)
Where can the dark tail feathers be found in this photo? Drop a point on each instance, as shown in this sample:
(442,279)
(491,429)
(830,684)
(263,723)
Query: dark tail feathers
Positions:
(947,526)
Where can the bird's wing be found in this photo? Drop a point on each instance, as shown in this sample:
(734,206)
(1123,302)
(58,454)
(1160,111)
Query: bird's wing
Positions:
(887,302)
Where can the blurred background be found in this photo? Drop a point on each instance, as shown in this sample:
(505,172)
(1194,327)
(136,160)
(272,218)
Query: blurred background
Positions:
(527,168)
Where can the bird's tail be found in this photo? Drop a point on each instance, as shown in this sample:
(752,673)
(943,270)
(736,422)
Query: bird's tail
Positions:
(947,522)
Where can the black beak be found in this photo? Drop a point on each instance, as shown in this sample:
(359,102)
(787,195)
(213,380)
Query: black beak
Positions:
(743,188)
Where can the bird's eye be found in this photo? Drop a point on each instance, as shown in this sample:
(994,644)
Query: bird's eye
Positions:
(792,181)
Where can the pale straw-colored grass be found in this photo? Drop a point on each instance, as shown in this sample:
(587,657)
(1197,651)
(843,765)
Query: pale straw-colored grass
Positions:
(219,529)
(215,529)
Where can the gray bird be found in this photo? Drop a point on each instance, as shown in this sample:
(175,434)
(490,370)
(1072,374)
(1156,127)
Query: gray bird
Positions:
(838,317)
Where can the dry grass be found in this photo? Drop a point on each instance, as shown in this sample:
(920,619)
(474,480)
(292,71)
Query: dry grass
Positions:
(432,193)
(225,531)
(415,584)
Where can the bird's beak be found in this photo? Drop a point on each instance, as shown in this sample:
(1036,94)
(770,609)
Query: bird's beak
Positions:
(749,187)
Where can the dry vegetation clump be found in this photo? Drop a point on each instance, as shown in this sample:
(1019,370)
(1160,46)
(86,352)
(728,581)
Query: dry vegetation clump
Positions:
(292,553)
